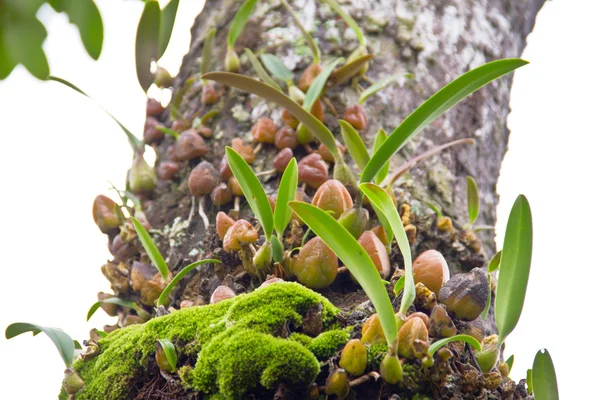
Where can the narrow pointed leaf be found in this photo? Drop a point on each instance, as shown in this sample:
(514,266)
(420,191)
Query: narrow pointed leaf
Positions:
(509,361)
(377,86)
(530,381)
(150,247)
(399,286)
(486,309)
(285,194)
(383,172)
(472,200)
(253,191)
(348,71)
(146,43)
(239,21)
(168,131)
(494,262)
(435,346)
(260,71)
(167,21)
(307,37)
(170,352)
(261,89)
(335,6)
(435,209)
(354,257)
(355,145)
(435,106)
(382,201)
(318,85)
(63,342)
(135,143)
(514,268)
(164,296)
(111,300)
(276,67)
(207,51)
(545,386)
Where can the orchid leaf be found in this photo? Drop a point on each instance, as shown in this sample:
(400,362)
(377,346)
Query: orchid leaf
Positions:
(63,342)
(164,296)
(157,259)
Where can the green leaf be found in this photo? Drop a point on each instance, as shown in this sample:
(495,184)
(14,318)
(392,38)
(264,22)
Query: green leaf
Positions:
(348,70)
(62,341)
(285,194)
(136,144)
(170,352)
(435,209)
(486,309)
(253,191)
(529,381)
(260,71)
(335,6)
(355,145)
(102,334)
(435,346)
(381,200)
(77,345)
(354,257)
(383,172)
(112,300)
(276,67)
(472,201)
(377,86)
(545,386)
(261,89)
(146,43)
(307,37)
(509,361)
(168,131)
(435,106)
(514,268)
(167,21)
(494,262)
(164,296)
(21,40)
(239,21)
(399,286)
(85,15)
(318,84)
(207,50)
(153,252)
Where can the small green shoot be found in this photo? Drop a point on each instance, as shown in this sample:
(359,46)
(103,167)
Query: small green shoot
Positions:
(136,144)
(472,202)
(509,361)
(494,262)
(102,334)
(146,43)
(170,352)
(486,309)
(261,89)
(377,86)
(348,70)
(253,191)
(399,286)
(164,296)
(380,137)
(239,21)
(435,346)
(347,248)
(318,85)
(277,68)
(285,194)
(150,247)
(435,209)
(435,106)
(530,381)
(355,145)
(168,131)
(207,51)
(382,201)
(514,268)
(307,37)
(335,6)
(167,21)
(260,70)
(63,342)
(120,302)
(543,377)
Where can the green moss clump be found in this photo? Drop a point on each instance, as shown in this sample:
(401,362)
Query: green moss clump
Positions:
(328,343)
(375,354)
(235,342)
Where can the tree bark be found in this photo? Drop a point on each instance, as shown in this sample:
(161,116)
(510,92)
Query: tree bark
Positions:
(435,40)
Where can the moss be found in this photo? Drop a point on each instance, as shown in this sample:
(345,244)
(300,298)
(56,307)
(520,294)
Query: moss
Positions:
(301,338)
(375,354)
(328,343)
(233,340)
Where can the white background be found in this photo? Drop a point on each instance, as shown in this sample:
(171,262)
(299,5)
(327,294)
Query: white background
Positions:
(58,151)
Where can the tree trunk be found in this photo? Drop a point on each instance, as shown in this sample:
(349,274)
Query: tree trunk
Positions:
(435,40)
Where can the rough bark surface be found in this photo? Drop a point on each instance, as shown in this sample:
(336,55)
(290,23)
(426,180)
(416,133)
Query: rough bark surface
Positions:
(435,40)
